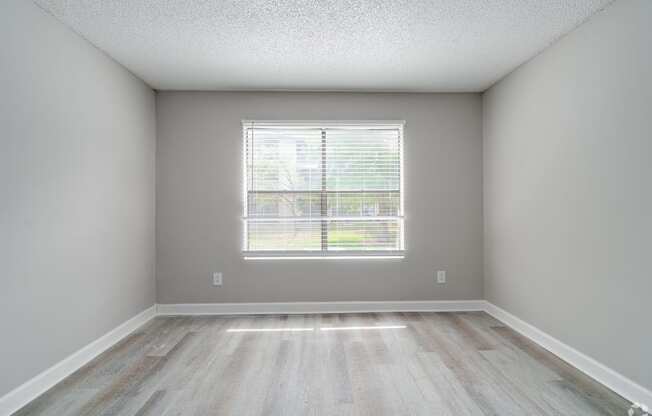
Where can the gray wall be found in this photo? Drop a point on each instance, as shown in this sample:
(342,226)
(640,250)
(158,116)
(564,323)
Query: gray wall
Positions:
(77,154)
(199,200)
(568,190)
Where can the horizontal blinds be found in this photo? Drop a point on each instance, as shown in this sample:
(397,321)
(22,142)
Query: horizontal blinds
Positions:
(323,187)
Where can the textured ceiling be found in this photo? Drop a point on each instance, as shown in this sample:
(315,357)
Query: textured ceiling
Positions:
(361,45)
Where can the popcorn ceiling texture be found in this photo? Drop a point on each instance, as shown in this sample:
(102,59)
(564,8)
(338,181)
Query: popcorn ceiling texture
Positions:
(364,45)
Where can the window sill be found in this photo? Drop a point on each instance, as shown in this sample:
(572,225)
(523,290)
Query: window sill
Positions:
(316,255)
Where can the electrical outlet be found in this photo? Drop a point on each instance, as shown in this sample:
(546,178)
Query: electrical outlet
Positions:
(217,279)
(441,276)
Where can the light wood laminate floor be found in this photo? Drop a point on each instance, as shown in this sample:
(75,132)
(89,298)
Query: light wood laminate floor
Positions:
(419,364)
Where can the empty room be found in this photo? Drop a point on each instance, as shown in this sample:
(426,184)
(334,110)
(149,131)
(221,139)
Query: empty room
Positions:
(346,207)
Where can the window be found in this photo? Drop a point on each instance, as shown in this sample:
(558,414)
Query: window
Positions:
(323,189)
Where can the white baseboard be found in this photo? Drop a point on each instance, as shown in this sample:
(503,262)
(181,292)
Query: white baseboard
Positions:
(594,369)
(318,307)
(38,385)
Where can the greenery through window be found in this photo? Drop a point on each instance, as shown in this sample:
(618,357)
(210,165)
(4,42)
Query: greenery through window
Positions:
(323,188)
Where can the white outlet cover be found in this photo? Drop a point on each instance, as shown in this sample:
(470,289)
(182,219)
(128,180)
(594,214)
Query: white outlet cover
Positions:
(441,276)
(217,279)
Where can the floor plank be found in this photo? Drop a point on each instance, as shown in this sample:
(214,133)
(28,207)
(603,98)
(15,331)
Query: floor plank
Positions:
(457,364)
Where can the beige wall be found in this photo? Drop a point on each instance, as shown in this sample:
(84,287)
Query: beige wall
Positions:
(568,190)
(77,153)
(199,200)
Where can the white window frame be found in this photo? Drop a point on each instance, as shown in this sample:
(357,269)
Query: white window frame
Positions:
(315,254)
